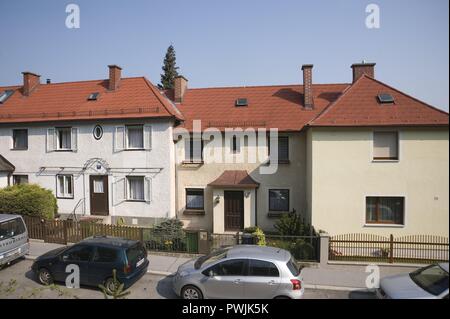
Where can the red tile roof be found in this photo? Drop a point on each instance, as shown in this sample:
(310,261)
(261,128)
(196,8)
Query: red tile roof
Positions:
(234,179)
(135,98)
(358,106)
(268,106)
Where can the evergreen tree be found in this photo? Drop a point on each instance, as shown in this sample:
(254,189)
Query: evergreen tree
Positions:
(169,68)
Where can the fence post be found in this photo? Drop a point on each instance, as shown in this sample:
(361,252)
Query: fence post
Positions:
(65,231)
(141,234)
(324,249)
(391,249)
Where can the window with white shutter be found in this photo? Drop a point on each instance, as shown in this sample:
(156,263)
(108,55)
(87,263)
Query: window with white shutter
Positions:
(119,138)
(385,145)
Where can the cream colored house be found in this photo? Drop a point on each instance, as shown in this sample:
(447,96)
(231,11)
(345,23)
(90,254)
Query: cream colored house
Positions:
(360,157)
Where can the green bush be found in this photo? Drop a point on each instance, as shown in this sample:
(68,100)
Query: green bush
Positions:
(292,224)
(28,200)
(257,233)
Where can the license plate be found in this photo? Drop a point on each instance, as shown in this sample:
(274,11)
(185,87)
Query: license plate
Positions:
(140,262)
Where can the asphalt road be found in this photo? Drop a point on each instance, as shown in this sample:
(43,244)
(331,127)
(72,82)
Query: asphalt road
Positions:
(17,281)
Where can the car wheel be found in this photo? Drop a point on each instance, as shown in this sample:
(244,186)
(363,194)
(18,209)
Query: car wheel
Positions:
(45,277)
(191,292)
(110,286)
(281,297)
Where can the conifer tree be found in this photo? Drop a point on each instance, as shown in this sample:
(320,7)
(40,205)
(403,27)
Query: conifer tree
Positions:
(169,68)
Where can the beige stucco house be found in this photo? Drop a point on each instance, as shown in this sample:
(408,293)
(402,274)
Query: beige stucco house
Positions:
(358,157)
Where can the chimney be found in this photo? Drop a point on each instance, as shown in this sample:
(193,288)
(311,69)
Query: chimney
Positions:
(180,88)
(308,100)
(114,77)
(30,82)
(363,68)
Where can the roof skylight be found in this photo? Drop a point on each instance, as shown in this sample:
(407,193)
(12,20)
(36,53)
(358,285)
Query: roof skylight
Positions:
(241,102)
(93,96)
(385,98)
(5,95)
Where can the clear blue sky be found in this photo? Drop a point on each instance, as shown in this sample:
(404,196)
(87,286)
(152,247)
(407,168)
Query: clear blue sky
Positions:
(233,42)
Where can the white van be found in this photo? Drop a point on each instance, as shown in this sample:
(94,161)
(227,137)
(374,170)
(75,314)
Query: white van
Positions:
(14,241)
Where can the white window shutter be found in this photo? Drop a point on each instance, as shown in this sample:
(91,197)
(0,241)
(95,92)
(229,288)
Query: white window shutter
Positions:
(119,138)
(74,139)
(119,191)
(51,140)
(147,137)
(148,189)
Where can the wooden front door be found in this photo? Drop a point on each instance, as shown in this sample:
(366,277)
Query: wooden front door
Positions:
(234,210)
(99,194)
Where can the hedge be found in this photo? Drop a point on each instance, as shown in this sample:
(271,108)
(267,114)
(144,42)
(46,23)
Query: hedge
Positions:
(29,200)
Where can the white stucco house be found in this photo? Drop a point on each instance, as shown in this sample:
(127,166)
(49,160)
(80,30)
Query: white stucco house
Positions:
(103,147)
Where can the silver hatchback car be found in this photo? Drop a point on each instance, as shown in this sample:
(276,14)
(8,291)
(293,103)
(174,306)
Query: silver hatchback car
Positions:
(238,272)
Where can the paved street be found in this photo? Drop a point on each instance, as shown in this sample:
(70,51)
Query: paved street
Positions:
(17,281)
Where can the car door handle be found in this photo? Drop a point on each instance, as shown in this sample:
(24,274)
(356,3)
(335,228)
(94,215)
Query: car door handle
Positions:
(237,281)
(272,282)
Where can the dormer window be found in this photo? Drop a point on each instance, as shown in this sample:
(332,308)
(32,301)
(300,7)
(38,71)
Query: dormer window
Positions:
(385,98)
(5,95)
(241,102)
(93,96)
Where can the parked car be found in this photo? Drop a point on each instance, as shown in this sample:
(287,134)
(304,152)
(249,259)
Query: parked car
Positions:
(96,258)
(14,242)
(242,271)
(430,282)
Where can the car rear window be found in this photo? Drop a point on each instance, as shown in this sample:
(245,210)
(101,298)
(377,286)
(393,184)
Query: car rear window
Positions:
(292,265)
(432,279)
(260,268)
(135,252)
(11,228)
(105,255)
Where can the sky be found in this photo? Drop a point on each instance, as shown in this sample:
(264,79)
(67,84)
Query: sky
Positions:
(231,43)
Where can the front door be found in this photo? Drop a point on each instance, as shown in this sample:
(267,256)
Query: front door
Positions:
(234,210)
(99,194)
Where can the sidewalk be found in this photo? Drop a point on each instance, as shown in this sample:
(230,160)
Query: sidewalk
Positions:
(334,277)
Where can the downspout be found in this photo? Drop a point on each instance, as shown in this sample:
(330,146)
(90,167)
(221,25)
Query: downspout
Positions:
(176,180)
(256,206)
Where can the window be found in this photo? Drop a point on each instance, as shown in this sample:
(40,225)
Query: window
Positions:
(98,132)
(135,188)
(236,144)
(20,179)
(193,149)
(5,95)
(233,267)
(283,149)
(385,210)
(78,253)
(260,268)
(93,96)
(64,138)
(385,145)
(195,199)
(64,186)
(135,136)
(432,279)
(385,98)
(241,102)
(293,268)
(279,200)
(20,139)
(11,228)
(105,255)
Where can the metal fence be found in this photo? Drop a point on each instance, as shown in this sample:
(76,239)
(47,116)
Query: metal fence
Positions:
(303,248)
(375,248)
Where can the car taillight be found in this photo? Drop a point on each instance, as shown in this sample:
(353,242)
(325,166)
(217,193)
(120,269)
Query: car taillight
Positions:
(296,284)
(127,268)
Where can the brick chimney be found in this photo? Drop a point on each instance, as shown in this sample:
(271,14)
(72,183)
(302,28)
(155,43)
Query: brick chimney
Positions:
(308,100)
(363,68)
(180,88)
(30,82)
(114,77)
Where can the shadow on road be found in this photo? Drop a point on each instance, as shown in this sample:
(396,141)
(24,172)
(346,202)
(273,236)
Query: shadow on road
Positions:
(362,294)
(164,288)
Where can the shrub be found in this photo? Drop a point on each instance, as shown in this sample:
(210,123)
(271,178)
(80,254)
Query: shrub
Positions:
(258,234)
(170,227)
(28,200)
(292,224)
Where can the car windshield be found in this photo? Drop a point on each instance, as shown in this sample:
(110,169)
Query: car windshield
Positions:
(432,279)
(208,259)
(11,228)
(292,265)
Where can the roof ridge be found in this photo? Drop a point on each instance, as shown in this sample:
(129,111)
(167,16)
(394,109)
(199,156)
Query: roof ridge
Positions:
(79,81)
(263,86)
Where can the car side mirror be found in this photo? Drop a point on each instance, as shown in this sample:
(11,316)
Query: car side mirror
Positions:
(64,258)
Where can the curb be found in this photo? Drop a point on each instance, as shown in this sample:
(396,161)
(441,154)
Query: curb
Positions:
(339,288)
